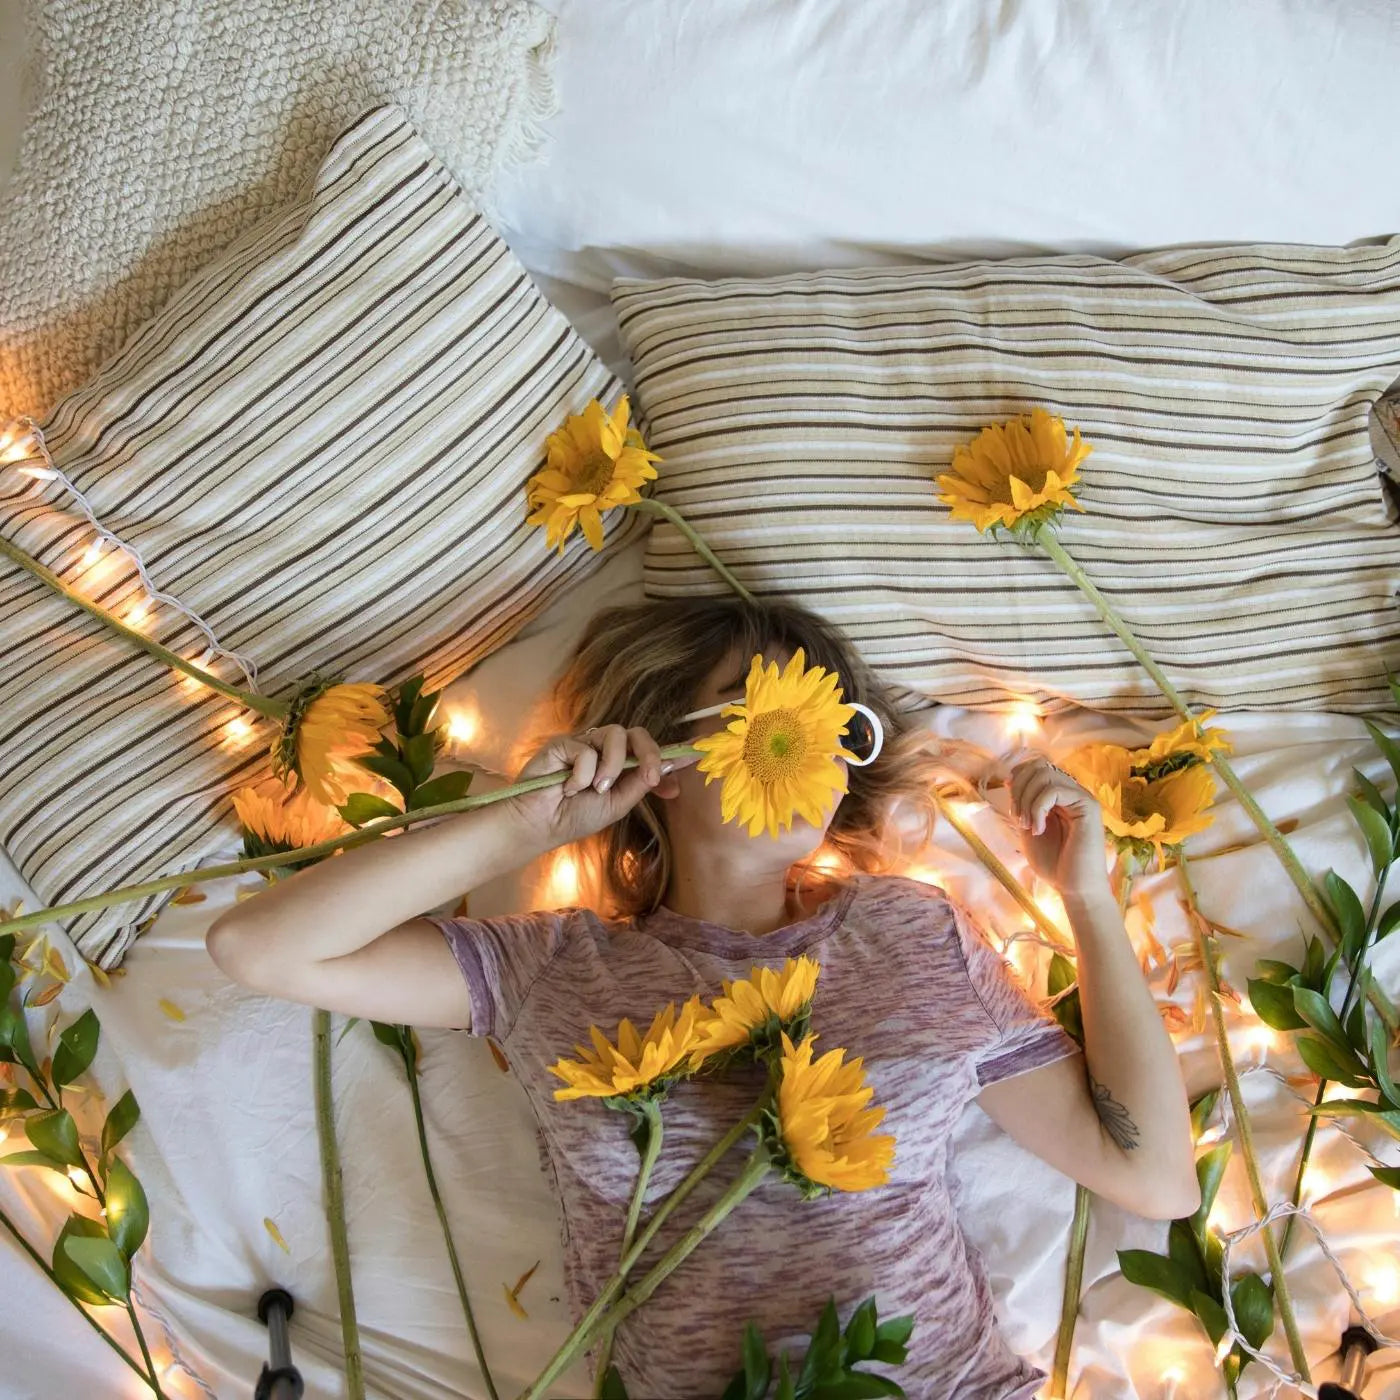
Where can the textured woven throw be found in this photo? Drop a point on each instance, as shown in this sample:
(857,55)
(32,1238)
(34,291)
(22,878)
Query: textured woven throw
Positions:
(160,130)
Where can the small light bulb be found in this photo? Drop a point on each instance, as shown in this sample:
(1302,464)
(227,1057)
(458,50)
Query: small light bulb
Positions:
(1022,719)
(1227,1343)
(238,729)
(92,554)
(4,1132)
(562,887)
(463,726)
(1383,1280)
(925,874)
(137,615)
(75,1176)
(38,473)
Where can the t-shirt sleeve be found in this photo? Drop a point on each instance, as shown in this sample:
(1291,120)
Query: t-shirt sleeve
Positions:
(1027,1036)
(501,959)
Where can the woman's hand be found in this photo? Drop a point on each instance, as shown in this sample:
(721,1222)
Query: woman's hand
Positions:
(1061,828)
(597,792)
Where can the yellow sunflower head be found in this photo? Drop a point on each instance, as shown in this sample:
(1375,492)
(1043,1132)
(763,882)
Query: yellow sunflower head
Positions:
(1190,743)
(752,1013)
(327,725)
(777,757)
(1145,817)
(1015,474)
(821,1132)
(276,817)
(593,463)
(638,1066)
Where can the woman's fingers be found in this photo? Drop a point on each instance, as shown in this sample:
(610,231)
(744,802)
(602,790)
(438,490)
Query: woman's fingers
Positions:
(582,757)
(612,739)
(648,755)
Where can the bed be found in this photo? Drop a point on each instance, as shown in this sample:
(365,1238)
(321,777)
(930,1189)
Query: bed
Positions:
(735,138)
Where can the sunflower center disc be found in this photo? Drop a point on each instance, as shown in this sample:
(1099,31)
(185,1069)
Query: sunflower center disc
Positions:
(775,745)
(596,474)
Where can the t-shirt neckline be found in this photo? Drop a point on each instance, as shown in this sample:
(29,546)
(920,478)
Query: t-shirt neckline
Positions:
(671,927)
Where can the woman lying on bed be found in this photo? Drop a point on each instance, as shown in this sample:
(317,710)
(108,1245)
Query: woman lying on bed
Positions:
(906,982)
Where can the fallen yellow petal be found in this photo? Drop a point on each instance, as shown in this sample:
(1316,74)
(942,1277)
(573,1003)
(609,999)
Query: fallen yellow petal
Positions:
(171,1009)
(46,996)
(99,975)
(270,1225)
(513,1294)
(499,1056)
(188,894)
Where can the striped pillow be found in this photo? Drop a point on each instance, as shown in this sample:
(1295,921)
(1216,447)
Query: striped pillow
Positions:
(1233,508)
(320,446)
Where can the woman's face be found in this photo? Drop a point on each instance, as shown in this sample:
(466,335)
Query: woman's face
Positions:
(697,807)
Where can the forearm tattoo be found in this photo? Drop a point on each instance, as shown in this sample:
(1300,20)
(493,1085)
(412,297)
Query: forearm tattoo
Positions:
(1114,1116)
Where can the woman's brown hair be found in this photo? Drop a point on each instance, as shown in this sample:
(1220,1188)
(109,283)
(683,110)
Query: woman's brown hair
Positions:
(644,663)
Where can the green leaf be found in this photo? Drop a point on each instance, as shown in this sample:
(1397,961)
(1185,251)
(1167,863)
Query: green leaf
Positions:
(1371,795)
(1387,1119)
(391,770)
(1210,1171)
(758,1369)
(1254,1309)
(823,1357)
(404,700)
(101,1263)
(418,753)
(362,807)
(76,1048)
(1312,963)
(16,1101)
(121,1119)
(785,1390)
(890,1353)
(1356,1021)
(69,1277)
(1211,1314)
(1387,746)
(1068,1014)
(1185,1253)
(1315,1009)
(424,712)
(857,1385)
(446,787)
(350,1023)
(613,1388)
(1273,1004)
(1160,1274)
(14,1039)
(860,1333)
(1201,1109)
(1388,920)
(1323,1059)
(33,1159)
(1380,1060)
(128,1215)
(1377,833)
(1351,917)
(7,947)
(1387,1176)
(1062,974)
(56,1134)
(7,974)
(897,1330)
(736,1390)
(1271,970)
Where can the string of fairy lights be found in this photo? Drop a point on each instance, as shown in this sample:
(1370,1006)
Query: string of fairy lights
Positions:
(24,452)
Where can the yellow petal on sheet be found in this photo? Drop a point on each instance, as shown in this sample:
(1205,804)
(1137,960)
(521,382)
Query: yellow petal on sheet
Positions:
(46,996)
(188,894)
(513,1294)
(1198,1011)
(270,1225)
(171,1009)
(498,1055)
(54,964)
(1173,975)
(99,975)
(244,894)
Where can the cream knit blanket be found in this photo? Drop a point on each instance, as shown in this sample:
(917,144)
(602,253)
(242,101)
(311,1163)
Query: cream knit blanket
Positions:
(159,130)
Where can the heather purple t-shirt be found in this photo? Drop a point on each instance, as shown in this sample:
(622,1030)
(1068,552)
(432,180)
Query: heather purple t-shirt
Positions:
(908,984)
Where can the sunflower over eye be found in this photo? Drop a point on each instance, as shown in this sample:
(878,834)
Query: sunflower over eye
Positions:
(778,756)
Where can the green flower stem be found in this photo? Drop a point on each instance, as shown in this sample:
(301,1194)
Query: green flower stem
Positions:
(999,872)
(1074,1282)
(1296,1196)
(755,1169)
(1290,862)
(273,709)
(1206,946)
(667,513)
(371,832)
(566,1353)
(82,1311)
(447,1232)
(651,1110)
(335,1206)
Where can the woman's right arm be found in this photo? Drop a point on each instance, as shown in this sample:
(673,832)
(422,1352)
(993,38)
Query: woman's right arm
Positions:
(342,934)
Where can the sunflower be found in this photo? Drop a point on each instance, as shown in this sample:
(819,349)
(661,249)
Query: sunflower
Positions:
(822,1134)
(328,724)
(637,1066)
(778,756)
(1017,474)
(593,463)
(1190,743)
(1145,816)
(278,818)
(756,1009)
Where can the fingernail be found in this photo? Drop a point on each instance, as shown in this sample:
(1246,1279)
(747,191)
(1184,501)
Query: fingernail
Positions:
(666,768)
(604,784)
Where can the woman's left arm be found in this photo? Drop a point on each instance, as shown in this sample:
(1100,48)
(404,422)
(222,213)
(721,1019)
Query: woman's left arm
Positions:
(1116,1120)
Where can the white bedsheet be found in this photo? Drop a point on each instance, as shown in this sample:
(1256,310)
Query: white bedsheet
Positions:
(749,136)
